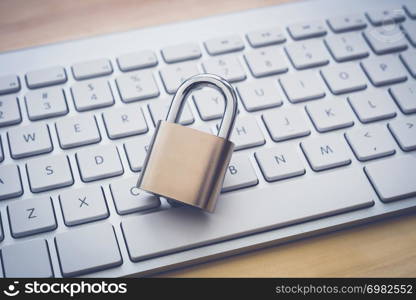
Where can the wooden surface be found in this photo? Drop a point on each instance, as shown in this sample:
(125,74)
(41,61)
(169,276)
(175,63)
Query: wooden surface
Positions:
(386,248)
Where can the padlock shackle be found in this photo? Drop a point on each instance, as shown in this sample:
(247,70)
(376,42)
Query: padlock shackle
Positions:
(216,82)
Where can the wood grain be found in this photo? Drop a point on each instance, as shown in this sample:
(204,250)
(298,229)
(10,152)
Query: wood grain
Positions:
(386,248)
(25,23)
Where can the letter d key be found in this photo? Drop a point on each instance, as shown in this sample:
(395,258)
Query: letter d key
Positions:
(183,163)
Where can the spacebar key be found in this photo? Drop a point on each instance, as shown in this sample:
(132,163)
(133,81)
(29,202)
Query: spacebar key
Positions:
(247,212)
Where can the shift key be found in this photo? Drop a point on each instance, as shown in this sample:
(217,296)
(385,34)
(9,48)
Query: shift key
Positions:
(393,179)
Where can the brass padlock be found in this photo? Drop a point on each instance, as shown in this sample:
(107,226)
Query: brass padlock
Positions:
(185,164)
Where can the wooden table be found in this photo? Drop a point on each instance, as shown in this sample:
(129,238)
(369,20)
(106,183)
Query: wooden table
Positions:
(385,248)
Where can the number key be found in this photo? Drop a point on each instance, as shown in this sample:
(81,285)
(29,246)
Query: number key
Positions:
(229,68)
(307,54)
(92,94)
(42,104)
(9,111)
(347,46)
(137,86)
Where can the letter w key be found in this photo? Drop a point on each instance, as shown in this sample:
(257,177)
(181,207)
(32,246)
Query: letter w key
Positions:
(29,140)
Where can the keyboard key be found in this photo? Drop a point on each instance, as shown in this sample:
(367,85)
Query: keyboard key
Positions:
(210,104)
(203,127)
(48,173)
(129,199)
(159,110)
(266,37)
(390,178)
(411,10)
(306,30)
(302,86)
(246,133)
(347,46)
(344,78)
(9,111)
(346,23)
(224,44)
(137,60)
(330,115)
(405,96)
(240,174)
(228,68)
(307,54)
(92,68)
(77,249)
(136,150)
(48,103)
(286,203)
(9,84)
(410,32)
(285,124)
(46,77)
(10,182)
(124,121)
(137,86)
(260,94)
(92,94)
(266,61)
(99,162)
(384,70)
(31,216)
(409,60)
(326,152)
(173,75)
(182,52)
(83,205)
(1,151)
(371,142)
(27,259)
(280,162)
(373,106)
(385,16)
(383,40)
(77,131)
(404,131)
(29,140)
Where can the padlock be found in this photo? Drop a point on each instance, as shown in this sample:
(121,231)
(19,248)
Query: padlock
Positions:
(185,164)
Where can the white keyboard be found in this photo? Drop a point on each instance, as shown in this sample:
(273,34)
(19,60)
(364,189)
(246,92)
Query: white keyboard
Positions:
(325,136)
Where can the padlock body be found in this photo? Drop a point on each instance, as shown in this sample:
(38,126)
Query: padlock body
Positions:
(186,165)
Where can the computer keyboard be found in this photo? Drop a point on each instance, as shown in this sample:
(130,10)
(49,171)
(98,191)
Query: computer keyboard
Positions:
(325,136)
